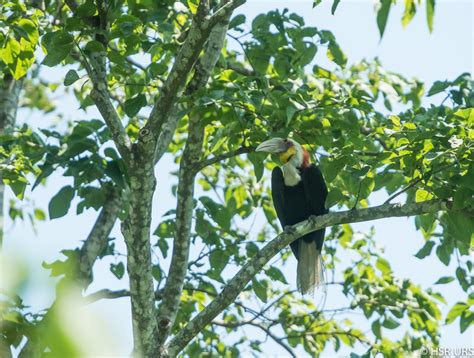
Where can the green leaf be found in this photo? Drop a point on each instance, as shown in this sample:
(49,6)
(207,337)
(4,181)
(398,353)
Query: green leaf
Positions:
(382,15)
(133,105)
(461,276)
(426,222)
(443,254)
(258,169)
(376,329)
(409,12)
(422,195)
(438,86)
(456,311)
(58,45)
(18,187)
(60,203)
(334,6)
(467,318)
(163,245)
(158,69)
(251,249)
(39,214)
(59,267)
(30,31)
(237,21)
(118,269)
(10,51)
(425,250)
(334,197)
(444,280)
(193,6)
(260,290)
(383,265)
(335,54)
(290,112)
(297,18)
(390,323)
(165,229)
(275,274)
(94,46)
(430,5)
(93,198)
(71,77)
(308,54)
(218,260)
(157,273)
(462,198)
(86,9)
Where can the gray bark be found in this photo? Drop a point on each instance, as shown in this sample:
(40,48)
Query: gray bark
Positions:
(174,85)
(97,239)
(136,231)
(184,214)
(101,98)
(9,97)
(251,268)
(187,174)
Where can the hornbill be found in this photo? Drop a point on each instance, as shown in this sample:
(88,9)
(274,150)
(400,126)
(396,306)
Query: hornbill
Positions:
(299,191)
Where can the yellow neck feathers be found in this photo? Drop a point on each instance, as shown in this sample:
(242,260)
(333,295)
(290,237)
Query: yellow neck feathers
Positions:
(286,156)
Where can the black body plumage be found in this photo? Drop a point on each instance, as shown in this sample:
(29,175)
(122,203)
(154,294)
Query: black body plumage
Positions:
(294,204)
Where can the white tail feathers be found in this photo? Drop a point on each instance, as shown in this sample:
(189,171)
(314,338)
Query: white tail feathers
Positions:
(310,268)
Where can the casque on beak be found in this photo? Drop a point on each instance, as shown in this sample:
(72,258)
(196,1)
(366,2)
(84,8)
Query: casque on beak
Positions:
(274,145)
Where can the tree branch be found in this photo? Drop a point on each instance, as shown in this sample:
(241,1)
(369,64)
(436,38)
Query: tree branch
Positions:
(95,65)
(109,294)
(199,32)
(241,70)
(176,80)
(101,97)
(226,10)
(187,174)
(97,71)
(136,231)
(97,238)
(9,98)
(251,268)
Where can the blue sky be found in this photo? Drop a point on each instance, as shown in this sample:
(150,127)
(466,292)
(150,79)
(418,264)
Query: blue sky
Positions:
(412,51)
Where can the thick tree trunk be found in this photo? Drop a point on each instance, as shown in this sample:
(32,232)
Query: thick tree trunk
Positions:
(136,231)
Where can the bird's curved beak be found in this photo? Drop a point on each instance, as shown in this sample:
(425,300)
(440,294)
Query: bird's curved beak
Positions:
(274,145)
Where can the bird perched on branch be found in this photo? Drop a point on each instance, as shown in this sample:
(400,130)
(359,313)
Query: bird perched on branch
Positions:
(298,192)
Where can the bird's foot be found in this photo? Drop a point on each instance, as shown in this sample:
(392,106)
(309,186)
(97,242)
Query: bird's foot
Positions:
(289,230)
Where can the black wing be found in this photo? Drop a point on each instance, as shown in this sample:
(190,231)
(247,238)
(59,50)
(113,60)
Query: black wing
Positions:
(316,193)
(278,194)
(315,189)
